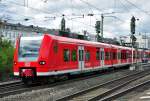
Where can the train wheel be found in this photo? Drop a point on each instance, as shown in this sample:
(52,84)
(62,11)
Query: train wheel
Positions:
(62,77)
(45,80)
(27,81)
(112,68)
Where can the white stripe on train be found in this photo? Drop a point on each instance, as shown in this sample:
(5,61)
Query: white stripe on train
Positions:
(74,70)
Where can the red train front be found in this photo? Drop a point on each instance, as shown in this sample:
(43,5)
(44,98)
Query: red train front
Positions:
(31,57)
(35,58)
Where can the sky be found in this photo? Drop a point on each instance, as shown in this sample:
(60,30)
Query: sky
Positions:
(48,13)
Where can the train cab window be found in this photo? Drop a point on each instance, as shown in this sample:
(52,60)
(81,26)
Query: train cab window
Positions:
(97,54)
(74,55)
(29,48)
(87,56)
(66,55)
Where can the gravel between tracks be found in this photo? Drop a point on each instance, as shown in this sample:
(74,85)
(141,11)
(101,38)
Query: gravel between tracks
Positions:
(53,93)
(132,95)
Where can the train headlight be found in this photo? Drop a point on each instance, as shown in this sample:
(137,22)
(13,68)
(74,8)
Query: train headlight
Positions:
(42,62)
(15,62)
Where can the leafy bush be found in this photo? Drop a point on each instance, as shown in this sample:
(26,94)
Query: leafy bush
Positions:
(6,58)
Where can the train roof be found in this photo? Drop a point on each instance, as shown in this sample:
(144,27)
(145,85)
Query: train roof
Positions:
(78,41)
(71,40)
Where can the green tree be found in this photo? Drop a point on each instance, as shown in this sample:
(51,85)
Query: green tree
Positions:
(6,58)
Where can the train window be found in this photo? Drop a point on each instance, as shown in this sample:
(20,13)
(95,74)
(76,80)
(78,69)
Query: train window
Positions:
(74,55)
(134,55)
(119,55)
(107,56)
(114,56)
(87,56)
(110,55)
(123,55)
(102,55)
(66,55)
(127,55)
(80,55)
(97,54)
(141,55)
(146,55)
(137,55)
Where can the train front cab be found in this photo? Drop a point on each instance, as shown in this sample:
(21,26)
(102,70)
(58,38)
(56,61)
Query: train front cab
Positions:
(30,57)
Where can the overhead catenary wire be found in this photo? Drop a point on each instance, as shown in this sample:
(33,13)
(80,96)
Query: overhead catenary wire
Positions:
(35,9)
(25,16)
(66,16)
(124,6)
(43,11)
(100,10)
(92,5)
(146,12)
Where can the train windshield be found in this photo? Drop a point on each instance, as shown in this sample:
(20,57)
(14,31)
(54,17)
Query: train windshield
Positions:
(29,48)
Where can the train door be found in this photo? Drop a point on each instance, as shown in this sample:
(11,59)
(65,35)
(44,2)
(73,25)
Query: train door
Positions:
(102,56)
(119,56)
(81,57)
(127,56)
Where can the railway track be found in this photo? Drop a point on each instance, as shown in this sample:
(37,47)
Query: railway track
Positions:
(103,91)
(123,92)
(3,84)
(6,88)
(18,87)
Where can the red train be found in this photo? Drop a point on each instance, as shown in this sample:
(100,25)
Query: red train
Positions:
(47,56)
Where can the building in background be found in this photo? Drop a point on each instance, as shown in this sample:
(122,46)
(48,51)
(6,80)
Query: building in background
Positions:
(12,31)
(143,40)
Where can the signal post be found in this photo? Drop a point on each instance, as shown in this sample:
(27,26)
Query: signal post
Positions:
(133,45)
(133,40)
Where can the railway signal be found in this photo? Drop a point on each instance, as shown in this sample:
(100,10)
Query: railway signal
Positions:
(97,26)
(132,25)
(133,38)
(132,28)
(63,24)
